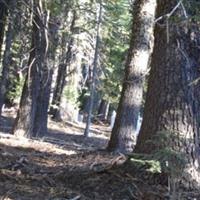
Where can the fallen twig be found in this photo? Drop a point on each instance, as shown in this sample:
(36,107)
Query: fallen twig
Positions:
(76,198)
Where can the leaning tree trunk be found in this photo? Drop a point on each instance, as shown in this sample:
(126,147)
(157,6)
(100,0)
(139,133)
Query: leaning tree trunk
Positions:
(172,107)
(25,121)
(61,76)
(141,45)
(7,53)
(3,15)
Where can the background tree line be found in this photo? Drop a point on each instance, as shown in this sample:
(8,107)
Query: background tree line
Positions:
(56,64)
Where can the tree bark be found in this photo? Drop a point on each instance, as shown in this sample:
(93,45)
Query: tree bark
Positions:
(41,119)
(103,110)
(41,116)
(172,104)
(26,116)
(123,135)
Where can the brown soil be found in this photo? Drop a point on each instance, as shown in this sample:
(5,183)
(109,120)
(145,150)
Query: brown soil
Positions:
(66,166)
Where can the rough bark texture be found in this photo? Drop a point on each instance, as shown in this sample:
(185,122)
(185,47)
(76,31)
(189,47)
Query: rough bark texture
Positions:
(103,110)
(41,119)
(123,133)
(25,121)
(41,116)
(7,53)
(171,102)
(3,15)
(61,76)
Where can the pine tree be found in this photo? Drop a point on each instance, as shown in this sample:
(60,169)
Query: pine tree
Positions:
(62,73)
(3,15)
(141,45)
(94,71)
(25,122)
(172,102)
(7,53)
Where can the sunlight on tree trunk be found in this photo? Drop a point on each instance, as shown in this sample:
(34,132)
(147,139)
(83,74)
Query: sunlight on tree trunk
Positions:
(25,121)
(172,102)
(124,131)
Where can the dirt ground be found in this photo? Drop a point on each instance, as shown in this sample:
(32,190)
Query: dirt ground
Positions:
(64,165)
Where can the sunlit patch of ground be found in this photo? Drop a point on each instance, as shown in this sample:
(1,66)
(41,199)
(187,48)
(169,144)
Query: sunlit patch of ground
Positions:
(41,146)
(39,170)
(64,165)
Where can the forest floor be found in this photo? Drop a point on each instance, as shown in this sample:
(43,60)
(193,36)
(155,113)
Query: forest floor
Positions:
(66,166)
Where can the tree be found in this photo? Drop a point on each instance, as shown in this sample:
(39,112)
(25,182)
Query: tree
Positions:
(41,115)
(19,51)
(172,103)
(115,42)
(103,110)
(41,118)
(141,45)
(62,73)
(7,52)
(94,72)
(3,15)
(29,104)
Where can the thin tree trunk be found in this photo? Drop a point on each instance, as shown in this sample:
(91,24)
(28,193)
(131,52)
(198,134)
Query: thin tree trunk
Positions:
(25,121)
(94,72)
(62,73)
(7,53)
(3,15)
(86,104)
(172,104)
(123,135)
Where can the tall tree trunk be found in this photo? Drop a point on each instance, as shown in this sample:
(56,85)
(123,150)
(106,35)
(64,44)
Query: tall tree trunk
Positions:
(41,116)
(7,53)
(94,73)
(3,15)
(172,105)
(25,121)
(18,52)
(61,76)
(141,46)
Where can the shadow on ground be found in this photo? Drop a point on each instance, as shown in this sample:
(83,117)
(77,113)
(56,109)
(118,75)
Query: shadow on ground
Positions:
(26,173)
(64,139)
(38,172)
(76,142)
(6,124)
